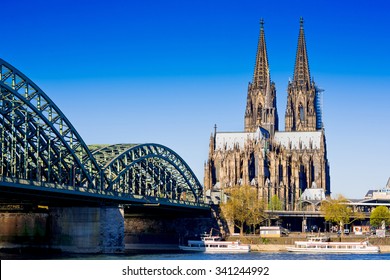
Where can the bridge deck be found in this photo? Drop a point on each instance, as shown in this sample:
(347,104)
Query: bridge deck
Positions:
(52,194)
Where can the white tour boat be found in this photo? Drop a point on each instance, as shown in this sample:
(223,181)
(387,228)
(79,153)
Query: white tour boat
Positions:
(213,244)
(323,245)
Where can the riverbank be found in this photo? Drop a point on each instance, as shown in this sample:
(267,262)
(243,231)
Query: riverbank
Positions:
(279,244)
(282,248)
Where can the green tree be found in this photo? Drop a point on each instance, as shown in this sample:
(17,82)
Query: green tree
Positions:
(275,203)
(243,207)
(379,214)
(338,211)
(256,213)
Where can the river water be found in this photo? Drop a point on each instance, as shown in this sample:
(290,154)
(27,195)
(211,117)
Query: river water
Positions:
(205,266)
(195,256)
(262,256)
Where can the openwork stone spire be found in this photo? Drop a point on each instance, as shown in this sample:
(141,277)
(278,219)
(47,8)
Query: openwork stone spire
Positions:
(302,101)
(301,69)
(261,75)
(261,100)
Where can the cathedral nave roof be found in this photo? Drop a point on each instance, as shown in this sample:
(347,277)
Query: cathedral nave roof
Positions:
(299,140)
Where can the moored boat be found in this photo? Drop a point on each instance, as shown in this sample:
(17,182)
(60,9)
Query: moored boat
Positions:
(323,245)
(214,244)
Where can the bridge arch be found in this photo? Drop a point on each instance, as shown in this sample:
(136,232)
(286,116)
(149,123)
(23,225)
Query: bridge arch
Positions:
(38,143)
(149,170)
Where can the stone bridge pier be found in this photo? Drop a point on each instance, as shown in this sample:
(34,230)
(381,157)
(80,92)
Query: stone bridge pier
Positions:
(101,229)
(66,229)
(87,229)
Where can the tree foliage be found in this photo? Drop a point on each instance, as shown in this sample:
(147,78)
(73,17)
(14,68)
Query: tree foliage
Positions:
(275,203)
(337,211)
(379,214)
(243,207)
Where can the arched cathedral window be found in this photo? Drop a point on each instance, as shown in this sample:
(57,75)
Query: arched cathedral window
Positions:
(259,111)
(301,113)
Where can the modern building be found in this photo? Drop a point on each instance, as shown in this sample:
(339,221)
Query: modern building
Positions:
(276,163)
(381,194)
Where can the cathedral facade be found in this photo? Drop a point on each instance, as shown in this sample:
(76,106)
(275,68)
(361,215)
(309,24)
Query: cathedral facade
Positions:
(277,163)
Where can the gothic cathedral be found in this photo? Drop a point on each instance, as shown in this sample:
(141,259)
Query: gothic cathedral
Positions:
(276,163)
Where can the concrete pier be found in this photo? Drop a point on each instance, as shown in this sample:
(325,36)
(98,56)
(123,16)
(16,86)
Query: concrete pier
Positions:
(66,229)
(87,229)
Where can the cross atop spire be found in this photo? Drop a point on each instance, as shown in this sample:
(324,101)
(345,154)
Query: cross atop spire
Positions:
(261,75)
(301,70)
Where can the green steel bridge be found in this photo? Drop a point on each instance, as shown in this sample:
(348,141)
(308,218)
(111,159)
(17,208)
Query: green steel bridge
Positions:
(42,156)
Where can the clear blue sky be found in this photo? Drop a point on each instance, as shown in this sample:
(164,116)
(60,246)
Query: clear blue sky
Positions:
(167,71)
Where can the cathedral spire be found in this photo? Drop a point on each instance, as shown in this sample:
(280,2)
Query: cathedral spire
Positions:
(261,72)
(261,99)
(301,69)
(302,111)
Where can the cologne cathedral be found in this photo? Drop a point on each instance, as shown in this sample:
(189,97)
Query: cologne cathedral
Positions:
(277,163)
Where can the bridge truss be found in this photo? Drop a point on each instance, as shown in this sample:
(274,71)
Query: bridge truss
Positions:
(40,148)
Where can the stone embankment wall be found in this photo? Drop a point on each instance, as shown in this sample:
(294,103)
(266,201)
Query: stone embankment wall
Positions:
(23,229)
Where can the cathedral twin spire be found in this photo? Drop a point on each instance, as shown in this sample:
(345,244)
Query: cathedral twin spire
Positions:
(301,69)
(261,101)
(301,110)
(261,73)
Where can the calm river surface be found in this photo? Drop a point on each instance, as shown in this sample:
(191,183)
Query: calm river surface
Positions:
(197,256)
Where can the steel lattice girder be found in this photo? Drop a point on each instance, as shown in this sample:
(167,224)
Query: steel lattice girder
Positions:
(107,153)
(154,162)
(41,136)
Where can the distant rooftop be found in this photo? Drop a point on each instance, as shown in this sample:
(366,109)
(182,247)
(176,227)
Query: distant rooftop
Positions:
(383,193)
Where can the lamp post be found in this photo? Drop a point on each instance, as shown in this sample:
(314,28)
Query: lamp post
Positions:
(304,226)
(269,194)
